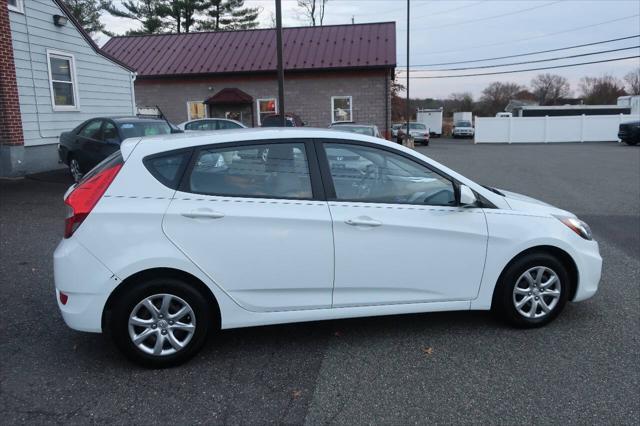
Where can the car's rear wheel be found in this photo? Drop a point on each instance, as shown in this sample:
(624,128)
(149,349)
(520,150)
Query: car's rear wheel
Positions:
(75,169)
(533,290)
(161,322)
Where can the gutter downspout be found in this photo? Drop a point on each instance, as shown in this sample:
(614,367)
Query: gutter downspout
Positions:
(386,105)
(33,81)
(134,107)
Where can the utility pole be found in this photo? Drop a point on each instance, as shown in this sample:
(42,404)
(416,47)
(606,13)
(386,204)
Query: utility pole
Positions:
(281,110)
(408,112)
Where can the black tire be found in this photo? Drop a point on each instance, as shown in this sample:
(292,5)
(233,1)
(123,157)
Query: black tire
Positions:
(127,301)
(504,300)
(631,143)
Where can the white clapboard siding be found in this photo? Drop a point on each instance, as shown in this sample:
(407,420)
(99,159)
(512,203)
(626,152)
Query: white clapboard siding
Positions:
(103,87)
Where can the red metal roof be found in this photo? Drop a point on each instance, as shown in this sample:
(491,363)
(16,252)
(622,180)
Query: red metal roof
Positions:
(305,48)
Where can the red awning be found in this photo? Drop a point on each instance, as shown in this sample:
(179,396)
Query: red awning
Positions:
(229,96)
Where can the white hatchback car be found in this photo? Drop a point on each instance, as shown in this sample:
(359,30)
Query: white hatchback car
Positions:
(177,235)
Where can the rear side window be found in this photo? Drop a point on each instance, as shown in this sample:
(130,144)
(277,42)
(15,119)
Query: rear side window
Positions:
(267,171)
(202,125)
(168,167)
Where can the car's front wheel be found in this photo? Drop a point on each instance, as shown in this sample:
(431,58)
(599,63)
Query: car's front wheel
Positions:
(161,322)
(532,291)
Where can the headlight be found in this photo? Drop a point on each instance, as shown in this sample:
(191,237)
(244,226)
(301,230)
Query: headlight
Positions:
(577,226)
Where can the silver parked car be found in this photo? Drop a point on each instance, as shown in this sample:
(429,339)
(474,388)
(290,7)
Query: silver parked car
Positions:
(211,124)
(362,129)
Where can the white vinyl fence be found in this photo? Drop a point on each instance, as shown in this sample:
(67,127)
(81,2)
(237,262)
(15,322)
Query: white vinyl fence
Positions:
(579,128)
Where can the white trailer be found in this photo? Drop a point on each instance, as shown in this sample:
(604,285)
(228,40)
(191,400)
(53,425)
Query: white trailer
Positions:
(463,116)
(632,102)
(432,118)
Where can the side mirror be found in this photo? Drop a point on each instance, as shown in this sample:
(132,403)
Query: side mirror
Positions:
(467,197)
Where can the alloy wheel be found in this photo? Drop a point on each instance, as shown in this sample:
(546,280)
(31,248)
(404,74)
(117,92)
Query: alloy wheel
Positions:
(537,292)
(74,168)
(162,324)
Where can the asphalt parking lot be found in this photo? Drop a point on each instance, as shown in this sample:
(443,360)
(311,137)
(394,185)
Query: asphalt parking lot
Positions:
(460,367)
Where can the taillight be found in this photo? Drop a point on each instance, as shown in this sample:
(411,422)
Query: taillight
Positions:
(85,196)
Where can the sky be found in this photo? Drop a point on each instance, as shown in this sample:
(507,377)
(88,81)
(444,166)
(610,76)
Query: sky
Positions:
(443,31)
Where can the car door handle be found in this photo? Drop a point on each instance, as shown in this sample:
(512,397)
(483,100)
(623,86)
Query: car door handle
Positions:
(362,221)
(203,214)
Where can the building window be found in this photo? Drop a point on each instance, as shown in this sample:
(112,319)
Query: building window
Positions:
(266,107)
(16,5)
(196,110)
(341,109)
(62,81)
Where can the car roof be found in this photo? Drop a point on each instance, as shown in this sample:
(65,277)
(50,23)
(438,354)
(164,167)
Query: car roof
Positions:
(133,119)
(353,125)
(168,142)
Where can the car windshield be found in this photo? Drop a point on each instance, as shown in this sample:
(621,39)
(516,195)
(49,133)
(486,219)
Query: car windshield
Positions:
(416,126)
(463,124)
(362,130)
(144,128)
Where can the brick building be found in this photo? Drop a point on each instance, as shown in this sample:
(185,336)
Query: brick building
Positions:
(332,73)
(52,78)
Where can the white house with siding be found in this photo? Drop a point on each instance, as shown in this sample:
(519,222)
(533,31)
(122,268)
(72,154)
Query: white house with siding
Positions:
(62,78)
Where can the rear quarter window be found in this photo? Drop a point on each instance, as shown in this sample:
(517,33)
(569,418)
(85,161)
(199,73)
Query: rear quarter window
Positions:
(168,167)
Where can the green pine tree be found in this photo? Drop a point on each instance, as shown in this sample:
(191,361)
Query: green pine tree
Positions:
(149,13)
(182,13)
(221,15)
(87,13)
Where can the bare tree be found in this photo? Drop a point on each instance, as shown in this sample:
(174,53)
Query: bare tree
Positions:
(549,89)
(496,96)
(313,11)
(633,82)
(460,102)
(601,90)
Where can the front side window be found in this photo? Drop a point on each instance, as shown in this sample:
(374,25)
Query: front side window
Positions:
(341,109)
(110,133)
(271,170)
(375,175)
(266,107)
(16,5)
(228,125)
(62,82)
(196,110)
(92,130)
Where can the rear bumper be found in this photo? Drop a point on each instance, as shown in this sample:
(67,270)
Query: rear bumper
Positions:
(85,281)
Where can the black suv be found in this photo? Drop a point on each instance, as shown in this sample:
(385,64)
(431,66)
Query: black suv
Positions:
(94,140)
(629,132)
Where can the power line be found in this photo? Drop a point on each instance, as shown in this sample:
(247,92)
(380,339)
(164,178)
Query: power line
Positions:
(442,12)
(624,18)
(515,12)
(528,69)
(557,58)
(529,53)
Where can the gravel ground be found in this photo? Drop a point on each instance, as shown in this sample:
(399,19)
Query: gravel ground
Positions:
(461,367)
